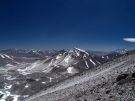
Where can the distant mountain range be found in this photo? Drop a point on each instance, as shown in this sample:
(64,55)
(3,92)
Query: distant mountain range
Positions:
(14,56)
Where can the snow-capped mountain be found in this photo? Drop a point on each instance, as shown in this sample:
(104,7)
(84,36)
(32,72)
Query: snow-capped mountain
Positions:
(70,61)
(109,57)
(65,57)
(6,60)
(23,53)
(15,56)
(103,57)
(122,51)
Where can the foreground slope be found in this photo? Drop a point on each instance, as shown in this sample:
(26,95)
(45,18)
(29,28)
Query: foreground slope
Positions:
(104,83)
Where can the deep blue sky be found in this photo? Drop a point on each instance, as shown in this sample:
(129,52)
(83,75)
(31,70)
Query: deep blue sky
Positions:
(46,24)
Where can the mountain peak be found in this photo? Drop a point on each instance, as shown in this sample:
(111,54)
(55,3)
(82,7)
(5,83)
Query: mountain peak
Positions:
(79,52)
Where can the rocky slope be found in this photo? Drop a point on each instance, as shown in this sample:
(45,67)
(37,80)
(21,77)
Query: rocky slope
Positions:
(112,81)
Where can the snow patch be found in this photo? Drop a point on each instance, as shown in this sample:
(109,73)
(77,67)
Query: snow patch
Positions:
(103,57)
(37,79)
(92,62)
(98,62)
(87,64)
(82,50)
(2,56)
(8,87)
(25,96)
(9,65)
(7,94)
(27,86)
(78,53)
(71,70)
(43,82)
(8,56)
(67,58)
(11,78)
(84,56)
(50,79)
(59,56)
(5,56)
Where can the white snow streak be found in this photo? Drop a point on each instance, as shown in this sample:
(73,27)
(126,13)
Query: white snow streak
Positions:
(2,56)
(82,50)
(92,62)
(86,64)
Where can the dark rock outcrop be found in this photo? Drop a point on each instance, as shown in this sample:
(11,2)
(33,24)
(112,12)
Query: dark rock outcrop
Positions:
(122,76)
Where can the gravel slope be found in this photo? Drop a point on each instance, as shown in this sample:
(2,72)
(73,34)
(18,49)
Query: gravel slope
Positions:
(95,85)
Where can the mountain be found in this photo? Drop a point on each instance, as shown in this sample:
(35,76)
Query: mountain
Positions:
(112,81)
(5,60)
(24,53)
(109,57)
(74,59)
(98,53)
(24,73)
(18,56)
(106,56)
(56,58)
(122,51)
